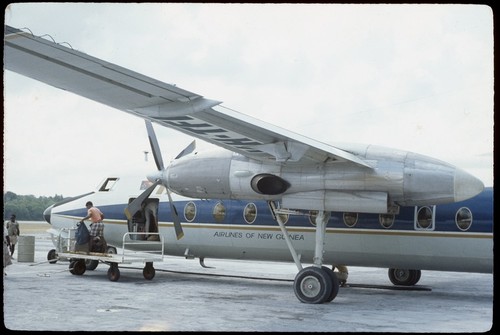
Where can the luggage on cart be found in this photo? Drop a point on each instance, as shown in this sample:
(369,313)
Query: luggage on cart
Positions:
(98,244)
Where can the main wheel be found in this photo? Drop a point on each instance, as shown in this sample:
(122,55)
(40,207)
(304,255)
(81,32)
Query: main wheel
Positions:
(77,267)
(52,256)
(113,272)
(404,277)
(149,271)
(335,283)
(313,285)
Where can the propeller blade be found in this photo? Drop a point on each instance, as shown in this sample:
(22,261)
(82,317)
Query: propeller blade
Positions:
(177,222)
(154,145)
(136,204)
(189,149)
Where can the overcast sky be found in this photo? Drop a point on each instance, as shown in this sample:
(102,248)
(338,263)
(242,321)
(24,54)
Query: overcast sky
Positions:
(412,77)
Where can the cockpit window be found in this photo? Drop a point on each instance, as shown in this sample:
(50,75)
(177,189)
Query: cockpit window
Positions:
(463,218)
(108,184)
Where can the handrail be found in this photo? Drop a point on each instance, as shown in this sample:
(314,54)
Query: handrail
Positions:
(144,242)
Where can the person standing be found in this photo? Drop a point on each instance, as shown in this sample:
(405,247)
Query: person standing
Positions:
(6,246)
(13,231)
(96,227)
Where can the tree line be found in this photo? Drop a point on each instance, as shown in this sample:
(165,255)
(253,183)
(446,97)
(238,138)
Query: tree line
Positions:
(27,207)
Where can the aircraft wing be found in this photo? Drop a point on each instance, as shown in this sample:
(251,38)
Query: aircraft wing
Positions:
(74,71)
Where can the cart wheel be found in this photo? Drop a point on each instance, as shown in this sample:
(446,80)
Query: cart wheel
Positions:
(149,271)
(91,264)
(113,272)
(52,256)
(77,267)
(111,250)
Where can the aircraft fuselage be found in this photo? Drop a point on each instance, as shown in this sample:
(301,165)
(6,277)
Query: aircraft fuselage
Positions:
(450,237)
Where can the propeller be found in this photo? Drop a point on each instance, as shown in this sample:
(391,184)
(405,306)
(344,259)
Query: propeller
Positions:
(189,149)
(136,204)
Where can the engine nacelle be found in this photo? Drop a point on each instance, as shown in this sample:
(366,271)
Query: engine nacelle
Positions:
(203,175)
(394,178)
(224,175)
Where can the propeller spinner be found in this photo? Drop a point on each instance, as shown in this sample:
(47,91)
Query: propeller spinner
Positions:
(136,204)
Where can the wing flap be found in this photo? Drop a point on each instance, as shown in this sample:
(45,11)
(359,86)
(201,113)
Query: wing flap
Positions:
(168,105)
(254,138)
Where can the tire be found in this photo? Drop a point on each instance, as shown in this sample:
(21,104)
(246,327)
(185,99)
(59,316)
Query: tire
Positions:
(113,272)
(404,277)
(77,267)
(111,250)
(335,284)
(91,264)
(313,285)
(149,271)
(52,256)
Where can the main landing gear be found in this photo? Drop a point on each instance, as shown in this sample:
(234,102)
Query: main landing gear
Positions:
(404,277)
(315,284)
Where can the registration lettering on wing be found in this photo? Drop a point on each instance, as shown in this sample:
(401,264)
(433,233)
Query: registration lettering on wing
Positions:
(200,128)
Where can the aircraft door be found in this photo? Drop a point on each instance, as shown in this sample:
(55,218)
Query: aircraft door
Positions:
(151,220)
(145,220)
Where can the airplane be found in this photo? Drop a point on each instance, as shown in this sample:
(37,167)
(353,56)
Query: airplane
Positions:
(343,204)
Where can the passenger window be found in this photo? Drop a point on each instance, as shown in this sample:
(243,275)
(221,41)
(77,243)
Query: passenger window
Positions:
(463,218)
(190,211)
(219,212)
(312,217)
(350,219)
(424,218)
(284,217)
(386,220)
(250,213)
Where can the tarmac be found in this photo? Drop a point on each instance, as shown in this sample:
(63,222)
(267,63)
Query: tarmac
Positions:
(232,296)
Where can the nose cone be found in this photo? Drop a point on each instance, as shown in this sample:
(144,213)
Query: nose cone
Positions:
(47,213)
(154,176)
(466,185)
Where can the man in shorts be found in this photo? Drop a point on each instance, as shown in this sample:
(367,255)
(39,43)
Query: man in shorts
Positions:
(96,227)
